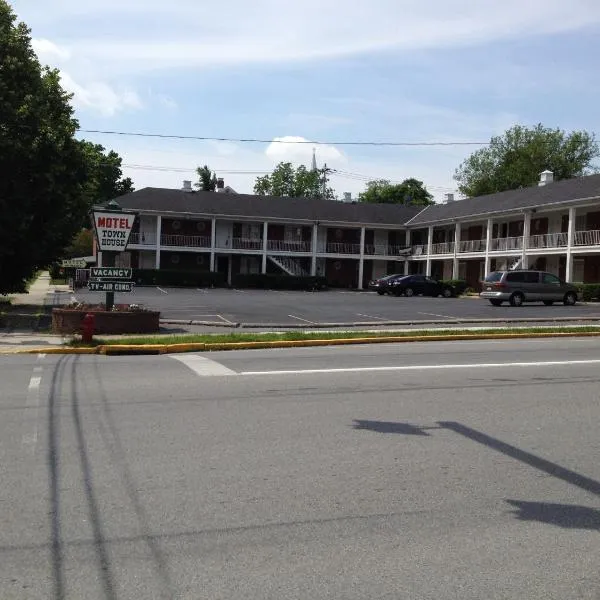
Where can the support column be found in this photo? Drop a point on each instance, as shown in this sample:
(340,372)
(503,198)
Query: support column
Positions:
(213,244)
(406,261)
(570,242)
(455,261)
(488,245)
(526,233)
(264,247)
(429,250)
(313,249)
(361,260)
(158,232)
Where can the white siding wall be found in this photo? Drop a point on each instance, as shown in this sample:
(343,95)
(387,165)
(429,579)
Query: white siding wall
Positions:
(380,237)
(379,268)
(321,238)
(147,260)
(224,233)
(148,225)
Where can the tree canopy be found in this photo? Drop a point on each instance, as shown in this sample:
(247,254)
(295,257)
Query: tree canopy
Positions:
(516,159)
(410,191)
(43,188)
(207,179)
(285,180)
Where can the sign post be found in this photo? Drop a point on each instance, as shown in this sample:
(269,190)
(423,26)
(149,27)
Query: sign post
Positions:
(113,228)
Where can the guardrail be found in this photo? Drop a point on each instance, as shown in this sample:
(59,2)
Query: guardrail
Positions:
(587,238)
(288,246)
(188,241)
(142,239)
(443,248)
(472,246)
(548,240)
(507,243)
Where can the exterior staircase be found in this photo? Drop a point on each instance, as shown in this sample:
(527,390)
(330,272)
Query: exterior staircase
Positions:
(516,264)
(289,265)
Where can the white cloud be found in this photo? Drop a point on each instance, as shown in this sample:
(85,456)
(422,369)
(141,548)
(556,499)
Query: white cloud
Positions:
(298,150)
(49,51)
(99,96)
(158,35)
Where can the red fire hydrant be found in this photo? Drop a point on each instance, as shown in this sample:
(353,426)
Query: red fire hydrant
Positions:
(87,328)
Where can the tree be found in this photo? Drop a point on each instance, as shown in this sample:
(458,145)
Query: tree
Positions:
(44,169)
(410,192)
(207,179)
(516,159)
(105,180)
(295,183)
(82,245)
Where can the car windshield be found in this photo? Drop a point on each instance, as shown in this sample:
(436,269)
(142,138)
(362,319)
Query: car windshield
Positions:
(495,276)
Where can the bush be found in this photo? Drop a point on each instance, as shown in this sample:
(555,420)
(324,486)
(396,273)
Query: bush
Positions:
(179,278)
(588,291)
(278,282)
(458,285)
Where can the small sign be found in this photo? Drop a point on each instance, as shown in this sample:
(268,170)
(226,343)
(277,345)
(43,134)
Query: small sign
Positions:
(110,273)
(73,263)
(112,230)
(110,286)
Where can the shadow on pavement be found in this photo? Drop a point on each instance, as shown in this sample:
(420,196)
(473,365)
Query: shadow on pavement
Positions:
(389,427)
(563,515)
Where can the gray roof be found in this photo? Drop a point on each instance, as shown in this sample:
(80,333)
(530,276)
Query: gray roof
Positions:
(557,192)
(166,201)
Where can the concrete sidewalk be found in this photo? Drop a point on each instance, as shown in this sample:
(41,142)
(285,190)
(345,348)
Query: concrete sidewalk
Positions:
(42,293)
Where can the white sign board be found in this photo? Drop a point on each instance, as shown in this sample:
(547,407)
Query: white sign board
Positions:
(75,263)
(112,230)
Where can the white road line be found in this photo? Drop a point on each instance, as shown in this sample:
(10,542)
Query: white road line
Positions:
(553,363)
(372,317)
(224,319)
(205,367)
(161,290)
(34,383)
(301,319)
(33,405)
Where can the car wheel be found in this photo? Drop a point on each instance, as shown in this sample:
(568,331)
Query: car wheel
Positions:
(409,292)
(570,299)
(517,299)
(496,302)
(548,302)
(380,292)
(447,293)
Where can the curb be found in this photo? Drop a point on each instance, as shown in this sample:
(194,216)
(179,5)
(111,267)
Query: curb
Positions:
(155,349)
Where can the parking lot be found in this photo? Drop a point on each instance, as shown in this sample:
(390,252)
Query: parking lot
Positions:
(287,308)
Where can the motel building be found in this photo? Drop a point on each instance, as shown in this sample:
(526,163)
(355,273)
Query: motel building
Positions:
(553,226)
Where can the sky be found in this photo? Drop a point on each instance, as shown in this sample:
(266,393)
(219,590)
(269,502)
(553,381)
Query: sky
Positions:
(328,71)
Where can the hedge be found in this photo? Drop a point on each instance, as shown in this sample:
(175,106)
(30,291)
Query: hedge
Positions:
(179,278)
(278,282)
(588,291)
(458,285)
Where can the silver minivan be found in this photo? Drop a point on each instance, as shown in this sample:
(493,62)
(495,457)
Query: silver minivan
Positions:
(517,287)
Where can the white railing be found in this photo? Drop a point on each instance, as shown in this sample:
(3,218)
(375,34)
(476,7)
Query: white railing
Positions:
(472,246)
(386,250)
(246,244)
(340,248)
(288,246)
(507,243)
(587,238)
(290,265)
(143,239)
(188,241)
(419,250)
(548,240)
(443,248)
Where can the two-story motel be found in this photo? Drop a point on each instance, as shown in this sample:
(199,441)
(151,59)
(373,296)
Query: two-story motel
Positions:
(554,226)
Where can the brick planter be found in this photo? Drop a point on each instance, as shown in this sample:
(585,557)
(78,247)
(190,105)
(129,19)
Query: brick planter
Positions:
(67,321)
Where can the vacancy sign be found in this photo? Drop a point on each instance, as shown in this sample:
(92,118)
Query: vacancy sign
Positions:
(112,230)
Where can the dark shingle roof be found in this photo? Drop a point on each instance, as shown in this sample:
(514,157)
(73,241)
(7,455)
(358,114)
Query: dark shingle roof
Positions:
(265,207)
(513,200)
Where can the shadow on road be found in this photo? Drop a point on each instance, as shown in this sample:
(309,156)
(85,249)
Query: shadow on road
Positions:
(389,427)
(562,515)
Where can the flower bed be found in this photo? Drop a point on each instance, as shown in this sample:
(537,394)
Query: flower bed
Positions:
(124,318)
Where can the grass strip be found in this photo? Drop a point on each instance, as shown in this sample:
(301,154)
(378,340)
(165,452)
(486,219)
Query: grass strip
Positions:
(226,338)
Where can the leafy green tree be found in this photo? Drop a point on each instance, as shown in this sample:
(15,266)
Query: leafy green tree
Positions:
(516,159)
(300,182)
(410,192)
(82,245)
(44,169)
(207,181)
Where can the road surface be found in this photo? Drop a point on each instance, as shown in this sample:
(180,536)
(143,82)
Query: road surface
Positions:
(458,470)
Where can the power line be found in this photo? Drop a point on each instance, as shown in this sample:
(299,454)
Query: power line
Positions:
(276,141)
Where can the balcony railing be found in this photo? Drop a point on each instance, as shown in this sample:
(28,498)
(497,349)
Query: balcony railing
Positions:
(246,244)
(288,246)
(386,250)
(548,240)
(340,248)
(587,238)
(472,246)
(507,243)
(443,248)
(419,250)
(187,241)
(142,239)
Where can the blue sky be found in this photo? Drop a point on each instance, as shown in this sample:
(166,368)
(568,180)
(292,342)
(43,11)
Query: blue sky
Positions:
(386,70)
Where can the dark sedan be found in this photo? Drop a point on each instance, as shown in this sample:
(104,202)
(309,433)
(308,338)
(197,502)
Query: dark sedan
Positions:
(414,285)
(383,284)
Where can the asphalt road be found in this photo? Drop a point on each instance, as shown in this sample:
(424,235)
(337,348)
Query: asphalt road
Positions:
(309,308)
(460,470)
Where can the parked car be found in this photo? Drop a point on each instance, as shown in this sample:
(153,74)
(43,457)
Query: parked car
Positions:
(518,287)
(382,285)
(413,285)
